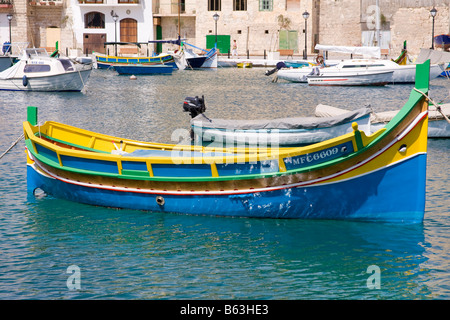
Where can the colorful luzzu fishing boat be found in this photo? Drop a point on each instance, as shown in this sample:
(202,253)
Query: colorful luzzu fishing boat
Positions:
(106,61)
(380,177)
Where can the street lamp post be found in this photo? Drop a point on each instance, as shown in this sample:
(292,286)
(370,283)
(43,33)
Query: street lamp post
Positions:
(433,14)
(9,16)
(216,18)
(305,16)
(115,17)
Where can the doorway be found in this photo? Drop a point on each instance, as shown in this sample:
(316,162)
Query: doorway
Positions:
(94,42)
(128,30)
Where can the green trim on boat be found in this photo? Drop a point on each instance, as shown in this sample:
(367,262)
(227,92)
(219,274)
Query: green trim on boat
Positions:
(32,115)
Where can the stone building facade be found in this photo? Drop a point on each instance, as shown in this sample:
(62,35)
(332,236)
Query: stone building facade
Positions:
(258,26)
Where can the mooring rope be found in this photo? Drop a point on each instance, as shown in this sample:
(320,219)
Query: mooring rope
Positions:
(438,108)
(12,146)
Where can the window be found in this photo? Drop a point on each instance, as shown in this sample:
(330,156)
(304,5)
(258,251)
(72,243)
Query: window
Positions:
(214,5)
(94,20)
(36,68)
(239,5)
(265,5)
(66,64)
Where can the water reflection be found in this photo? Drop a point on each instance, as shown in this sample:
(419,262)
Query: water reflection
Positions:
(233,258)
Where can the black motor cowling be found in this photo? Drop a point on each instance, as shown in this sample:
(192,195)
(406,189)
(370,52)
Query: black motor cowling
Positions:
(194,105)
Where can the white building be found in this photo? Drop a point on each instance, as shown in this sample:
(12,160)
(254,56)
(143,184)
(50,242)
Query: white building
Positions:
(99,21)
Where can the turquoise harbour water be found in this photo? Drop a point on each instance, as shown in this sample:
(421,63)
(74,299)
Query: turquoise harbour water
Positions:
(125,254)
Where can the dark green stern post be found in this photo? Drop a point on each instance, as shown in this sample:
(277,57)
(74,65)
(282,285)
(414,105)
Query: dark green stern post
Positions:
(32,115)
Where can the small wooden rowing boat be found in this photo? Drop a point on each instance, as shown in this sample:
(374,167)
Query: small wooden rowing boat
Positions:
(380,177)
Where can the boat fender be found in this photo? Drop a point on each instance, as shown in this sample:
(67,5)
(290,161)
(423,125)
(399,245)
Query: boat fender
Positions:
(278,67)
(25,81)
(160,200)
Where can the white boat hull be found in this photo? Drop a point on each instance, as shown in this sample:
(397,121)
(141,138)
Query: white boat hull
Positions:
(70,81)
(358,79)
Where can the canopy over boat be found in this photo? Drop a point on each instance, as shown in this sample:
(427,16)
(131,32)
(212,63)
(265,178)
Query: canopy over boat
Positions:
(366,51)
(282,123)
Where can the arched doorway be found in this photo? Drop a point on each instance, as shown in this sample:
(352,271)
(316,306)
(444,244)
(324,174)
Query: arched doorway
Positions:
(128,30)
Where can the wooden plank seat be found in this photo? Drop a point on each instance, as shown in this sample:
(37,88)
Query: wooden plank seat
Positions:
(286,52)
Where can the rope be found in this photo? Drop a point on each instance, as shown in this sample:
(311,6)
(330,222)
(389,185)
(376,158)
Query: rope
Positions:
(438,108)
(12,146)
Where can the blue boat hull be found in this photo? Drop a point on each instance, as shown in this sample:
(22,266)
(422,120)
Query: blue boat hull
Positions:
(144,69)
(375,196)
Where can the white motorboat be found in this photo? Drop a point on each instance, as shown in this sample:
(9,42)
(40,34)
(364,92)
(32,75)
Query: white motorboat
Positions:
(401,73)
(36,70)
(438,120)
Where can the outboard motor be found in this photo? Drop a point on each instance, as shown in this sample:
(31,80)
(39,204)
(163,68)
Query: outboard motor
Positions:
(194,106)
(278,67)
